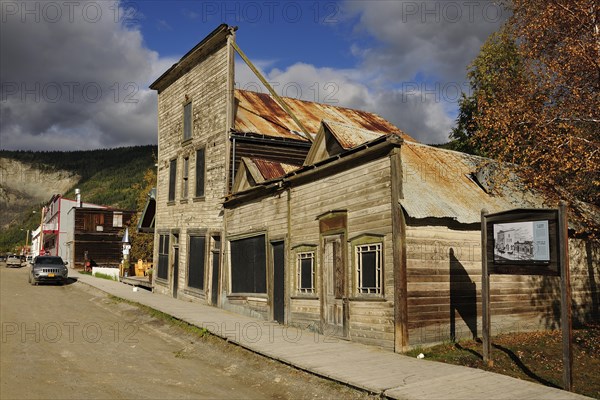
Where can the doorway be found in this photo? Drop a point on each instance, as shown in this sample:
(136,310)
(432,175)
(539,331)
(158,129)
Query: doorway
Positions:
(278,281)
(334,304)
(175,270)
(215,268)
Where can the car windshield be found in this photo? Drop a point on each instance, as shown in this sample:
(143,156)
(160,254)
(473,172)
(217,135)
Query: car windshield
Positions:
(49,260)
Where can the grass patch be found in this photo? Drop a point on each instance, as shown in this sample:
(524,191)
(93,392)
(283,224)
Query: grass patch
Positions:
(105,276)
(187,327)
(532,356)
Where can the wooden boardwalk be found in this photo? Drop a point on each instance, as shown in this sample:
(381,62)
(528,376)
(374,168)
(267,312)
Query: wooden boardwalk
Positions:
(369,368)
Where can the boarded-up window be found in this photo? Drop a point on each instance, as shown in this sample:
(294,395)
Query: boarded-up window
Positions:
(196,262)
(187,121)
(200,172)
(306,272)
(172,179)
(163,257)
(93,222)
(117,219)
(186,168)
(368,268)
(248,265)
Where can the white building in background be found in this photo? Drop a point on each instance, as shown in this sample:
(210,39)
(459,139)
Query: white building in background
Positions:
(35,242)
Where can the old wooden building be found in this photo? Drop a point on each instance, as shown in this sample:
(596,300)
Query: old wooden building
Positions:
(97,236)
(330,218)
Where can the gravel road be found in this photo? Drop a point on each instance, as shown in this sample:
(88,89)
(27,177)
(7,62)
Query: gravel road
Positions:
(74,342)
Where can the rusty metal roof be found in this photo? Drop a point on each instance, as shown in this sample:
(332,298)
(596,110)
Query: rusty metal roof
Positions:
(272,169)
(440,183)
(349,136)
(259,113)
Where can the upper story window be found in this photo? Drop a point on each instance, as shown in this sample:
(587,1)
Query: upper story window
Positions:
(200,167)
(172,179)
(93,222)
(185,175)
(117,219)
(187,121)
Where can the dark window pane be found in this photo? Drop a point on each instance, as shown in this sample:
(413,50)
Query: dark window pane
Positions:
(200,173)
(172,178)
(306,273)
(368,269)
(187,121)
(248,265)
(196,262)
(163,257)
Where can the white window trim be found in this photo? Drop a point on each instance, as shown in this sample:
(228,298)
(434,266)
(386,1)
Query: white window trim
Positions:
(304,256)
(359,249)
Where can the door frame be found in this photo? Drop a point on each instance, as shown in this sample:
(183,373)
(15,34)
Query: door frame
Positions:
(281,283)
(174,259)
(335,223)
(215,277)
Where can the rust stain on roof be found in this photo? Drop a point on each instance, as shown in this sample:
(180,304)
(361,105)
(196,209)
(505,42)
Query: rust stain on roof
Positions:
(258,113)
(349,136)
(440,184)
(273,169)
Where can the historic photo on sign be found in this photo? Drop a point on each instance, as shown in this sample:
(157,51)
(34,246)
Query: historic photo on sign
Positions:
(521,241)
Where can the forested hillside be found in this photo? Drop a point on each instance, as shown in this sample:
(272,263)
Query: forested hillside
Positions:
(109,177)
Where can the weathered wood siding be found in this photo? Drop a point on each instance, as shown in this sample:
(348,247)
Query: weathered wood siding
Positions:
(104,247)
(206,86)
(268,217)
(364,192)
(444,288)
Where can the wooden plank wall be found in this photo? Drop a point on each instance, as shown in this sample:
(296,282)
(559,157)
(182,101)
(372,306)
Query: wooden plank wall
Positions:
(365,193)
(205,84)
(444,288)
(269,217)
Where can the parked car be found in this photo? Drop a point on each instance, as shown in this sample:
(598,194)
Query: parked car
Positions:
(28,260)
(13,261)
(48,269)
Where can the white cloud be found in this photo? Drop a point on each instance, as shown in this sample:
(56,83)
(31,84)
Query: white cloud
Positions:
(411,71)
(417,113)
(76,79)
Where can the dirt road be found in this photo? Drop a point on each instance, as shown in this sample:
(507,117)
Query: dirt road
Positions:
(73,342)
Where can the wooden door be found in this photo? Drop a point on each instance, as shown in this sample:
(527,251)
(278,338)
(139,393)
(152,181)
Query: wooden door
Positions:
(333,305)
(278,281)
(175,270)
(216,263)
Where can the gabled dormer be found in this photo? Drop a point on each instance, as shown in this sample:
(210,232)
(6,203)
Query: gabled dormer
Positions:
(334,138)
(255,171)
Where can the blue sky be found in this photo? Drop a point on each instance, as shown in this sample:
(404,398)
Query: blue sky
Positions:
(77,78)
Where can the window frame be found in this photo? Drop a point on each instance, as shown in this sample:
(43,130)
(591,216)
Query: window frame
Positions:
(172,192)
(187,131)
(117,217)
(300,253)
(189,259)
(232,257)
(185,174)
(200,194)
(163,250)
(360,245)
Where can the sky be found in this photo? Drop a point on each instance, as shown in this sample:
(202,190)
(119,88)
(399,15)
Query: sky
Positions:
(75,75)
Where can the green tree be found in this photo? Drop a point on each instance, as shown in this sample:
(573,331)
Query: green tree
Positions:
(497,63)
(142,244)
